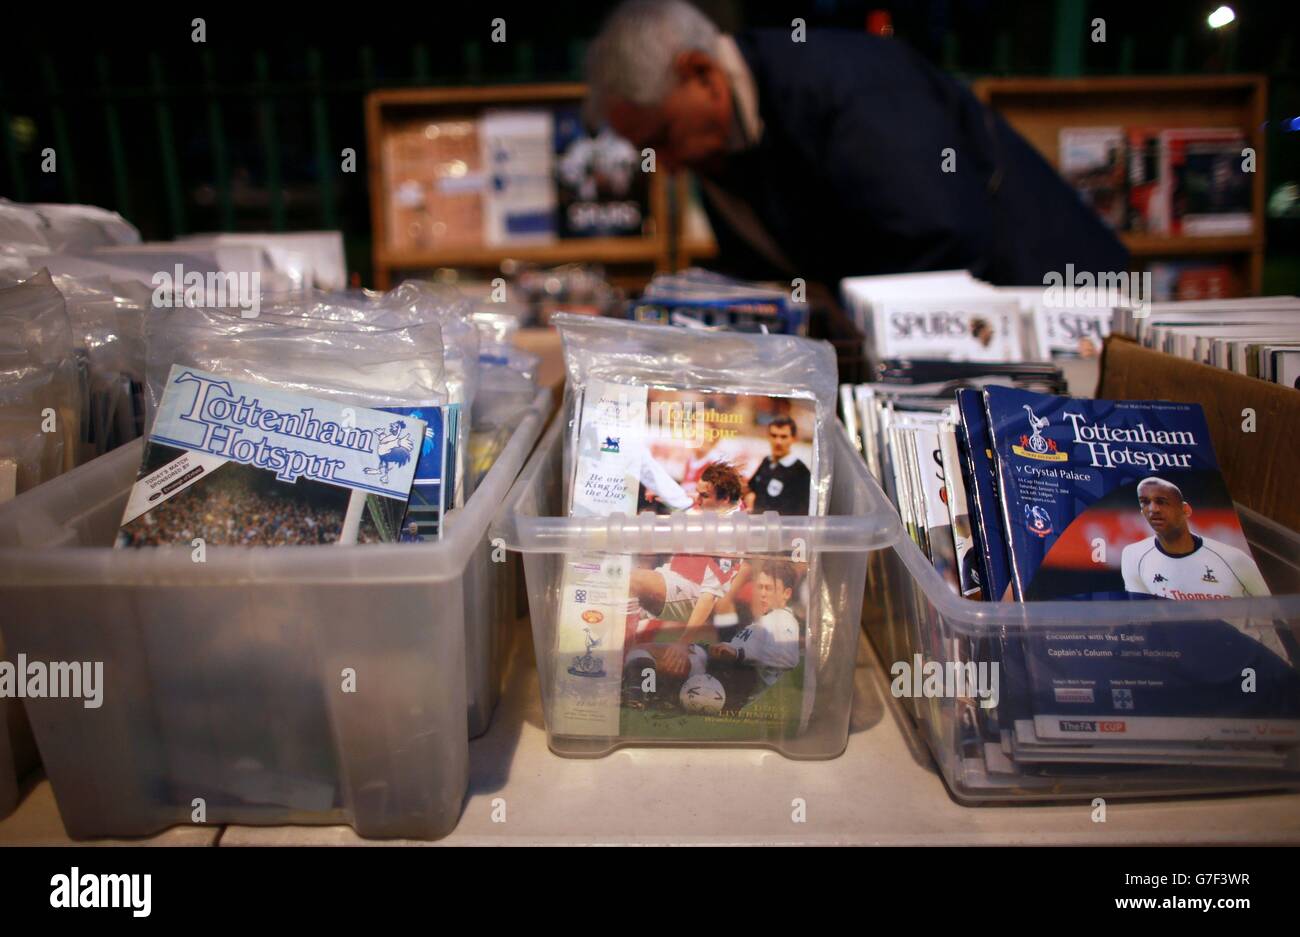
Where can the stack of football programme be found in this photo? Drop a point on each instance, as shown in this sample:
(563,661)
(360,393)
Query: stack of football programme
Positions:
(681,645)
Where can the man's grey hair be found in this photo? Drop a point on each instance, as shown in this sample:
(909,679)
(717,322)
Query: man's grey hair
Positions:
(632,58)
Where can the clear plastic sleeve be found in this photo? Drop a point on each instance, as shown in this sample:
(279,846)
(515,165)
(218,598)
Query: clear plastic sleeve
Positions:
(412,302)
(662,645)
(83,227)
(507,382)
(507,374)
(108,320)
(41,390)
(624,352)
(496,323)
(30,234)
(48,228)
(336,359)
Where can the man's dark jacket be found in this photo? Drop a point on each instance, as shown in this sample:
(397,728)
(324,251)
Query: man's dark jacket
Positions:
(848,175)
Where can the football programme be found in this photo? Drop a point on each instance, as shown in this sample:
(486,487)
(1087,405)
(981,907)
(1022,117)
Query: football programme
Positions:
(682,645)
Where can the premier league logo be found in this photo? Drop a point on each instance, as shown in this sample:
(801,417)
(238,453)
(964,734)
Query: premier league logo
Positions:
(1038,520)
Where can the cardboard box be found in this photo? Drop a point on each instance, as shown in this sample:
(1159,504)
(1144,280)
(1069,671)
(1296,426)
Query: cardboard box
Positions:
(546,344)
(1260,459)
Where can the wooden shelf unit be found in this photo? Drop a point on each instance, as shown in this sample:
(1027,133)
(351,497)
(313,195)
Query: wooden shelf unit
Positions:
(635,256)
(1039,107)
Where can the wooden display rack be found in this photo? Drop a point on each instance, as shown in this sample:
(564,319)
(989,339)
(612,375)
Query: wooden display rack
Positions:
(1039,107)
(635,257)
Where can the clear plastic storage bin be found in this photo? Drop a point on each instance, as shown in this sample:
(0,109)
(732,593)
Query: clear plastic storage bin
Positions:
(316,685)
(835,546)
(911,610)
(17,751)
(8,762)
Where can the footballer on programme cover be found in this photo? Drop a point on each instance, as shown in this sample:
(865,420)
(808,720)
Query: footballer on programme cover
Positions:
(684,645)
(1176,563)
(1123,499)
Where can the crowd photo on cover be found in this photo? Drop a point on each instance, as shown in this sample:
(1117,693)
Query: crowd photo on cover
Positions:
(243,505)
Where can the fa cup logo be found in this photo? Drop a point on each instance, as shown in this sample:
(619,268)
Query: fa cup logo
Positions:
(588,664)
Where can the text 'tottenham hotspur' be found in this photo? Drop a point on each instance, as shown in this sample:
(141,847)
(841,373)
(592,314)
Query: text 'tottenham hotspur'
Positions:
(692,423)
(221,415)
(1100,440)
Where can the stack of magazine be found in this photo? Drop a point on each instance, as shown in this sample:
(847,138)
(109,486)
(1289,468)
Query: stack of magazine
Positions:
(1258,337)
(1024,496)
(234,462)
(331,418)
(688,646)
(1162,180)
(953,315)
(701,299)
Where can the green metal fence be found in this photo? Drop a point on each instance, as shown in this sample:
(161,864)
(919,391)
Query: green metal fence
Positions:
(183,140)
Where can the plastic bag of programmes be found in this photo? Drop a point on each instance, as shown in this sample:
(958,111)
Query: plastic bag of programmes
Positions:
(330,353)
(82,227)
(507,385)
(108,318)
(496,331)
(41,393)
(28,232)
(35,229)
(601,351)
(410,303)
(340,360)
(726,639)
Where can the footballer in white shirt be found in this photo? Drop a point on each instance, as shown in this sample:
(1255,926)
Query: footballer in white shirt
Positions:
(688,589)
(753,660)
(1178,564)
(769,645)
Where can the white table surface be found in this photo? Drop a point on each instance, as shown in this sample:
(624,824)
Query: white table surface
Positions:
(882,790)
(36,823)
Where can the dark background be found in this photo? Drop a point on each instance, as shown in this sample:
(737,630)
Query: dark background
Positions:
(183,137)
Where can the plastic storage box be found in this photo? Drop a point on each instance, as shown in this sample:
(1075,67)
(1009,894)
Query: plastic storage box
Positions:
(17,751)
(913,609)
(8,762)
(225,683)
(835,546)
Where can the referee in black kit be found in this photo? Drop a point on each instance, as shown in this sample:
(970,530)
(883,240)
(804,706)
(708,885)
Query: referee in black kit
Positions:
(782,483)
